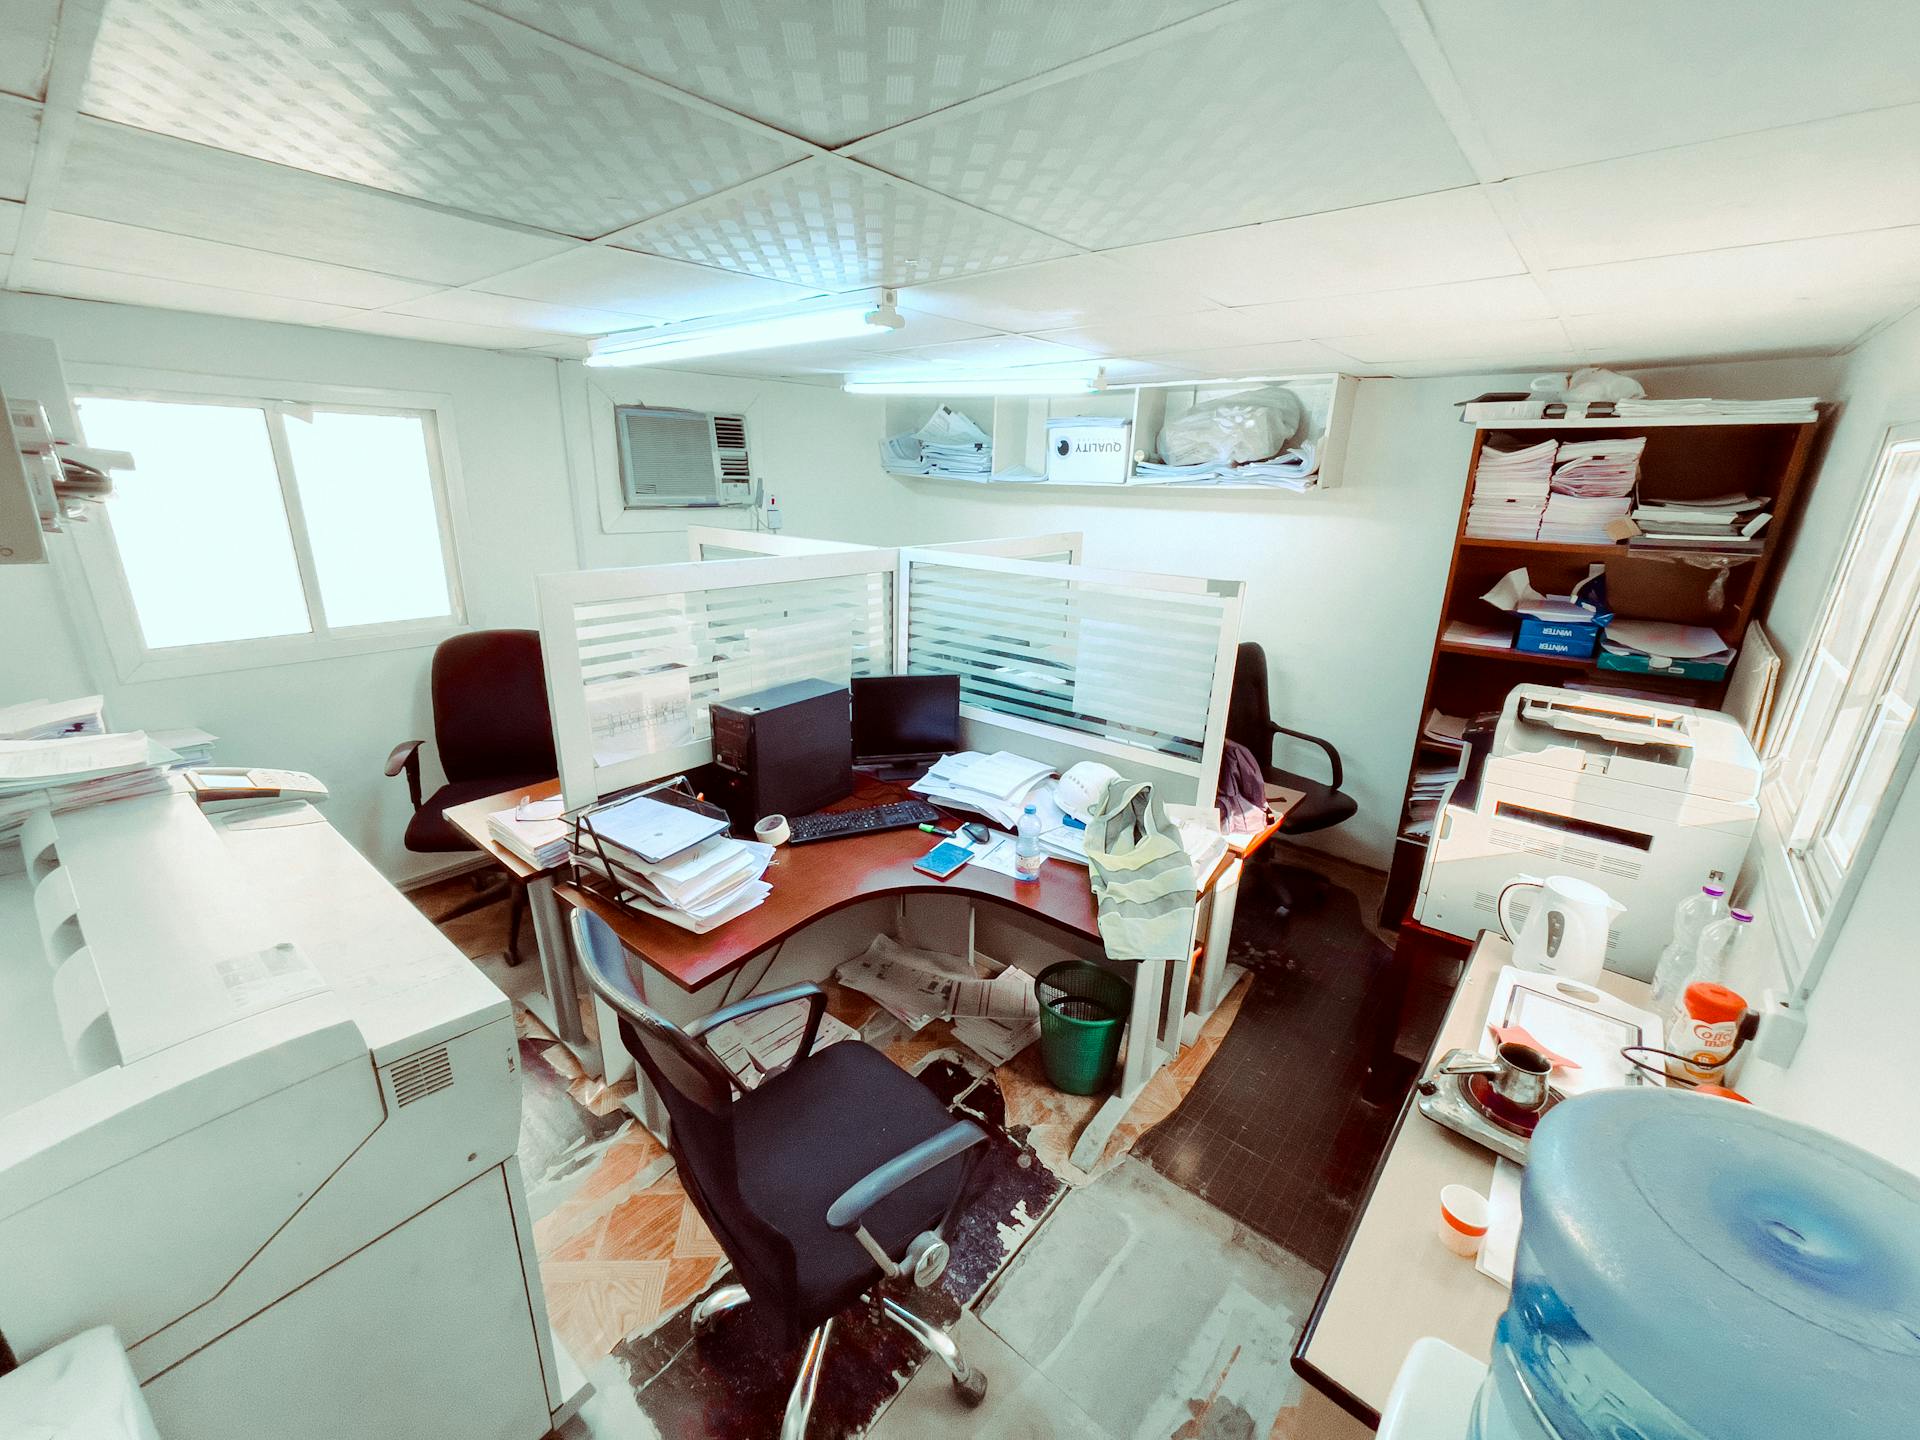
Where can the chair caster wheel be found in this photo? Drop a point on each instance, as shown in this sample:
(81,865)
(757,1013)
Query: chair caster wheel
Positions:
(973,1389)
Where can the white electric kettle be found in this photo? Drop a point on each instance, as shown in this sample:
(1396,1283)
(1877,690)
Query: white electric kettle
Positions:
(1565,932)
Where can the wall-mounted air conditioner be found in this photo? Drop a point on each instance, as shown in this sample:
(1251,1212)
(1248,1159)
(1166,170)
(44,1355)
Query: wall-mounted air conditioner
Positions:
(681,458)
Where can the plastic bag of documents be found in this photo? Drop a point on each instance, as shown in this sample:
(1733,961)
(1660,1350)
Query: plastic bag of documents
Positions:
(1234,430)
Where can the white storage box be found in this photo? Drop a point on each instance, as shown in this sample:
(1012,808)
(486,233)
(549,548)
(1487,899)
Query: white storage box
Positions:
(1089,450)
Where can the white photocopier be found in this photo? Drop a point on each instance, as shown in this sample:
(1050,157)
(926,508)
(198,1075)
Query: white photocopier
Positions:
(1641,799)
(260,1118)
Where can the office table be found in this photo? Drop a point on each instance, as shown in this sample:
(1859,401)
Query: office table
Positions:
(674,970)
(1394,1282)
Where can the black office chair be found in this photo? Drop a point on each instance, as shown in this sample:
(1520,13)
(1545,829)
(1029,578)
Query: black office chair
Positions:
(491,724)
(1250,721)
(813,1181)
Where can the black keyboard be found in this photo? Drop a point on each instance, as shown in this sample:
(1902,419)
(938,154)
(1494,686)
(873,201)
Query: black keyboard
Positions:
(838,824)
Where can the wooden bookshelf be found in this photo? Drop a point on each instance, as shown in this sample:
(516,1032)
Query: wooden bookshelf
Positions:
(1696,587)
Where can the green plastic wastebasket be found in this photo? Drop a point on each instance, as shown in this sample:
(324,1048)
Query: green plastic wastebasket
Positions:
(1083,1009)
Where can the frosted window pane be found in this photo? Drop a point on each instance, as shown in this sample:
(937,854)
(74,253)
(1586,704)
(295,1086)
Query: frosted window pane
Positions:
(200,525)
(366,491)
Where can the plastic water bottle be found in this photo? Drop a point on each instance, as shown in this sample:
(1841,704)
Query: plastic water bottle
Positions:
(1697,1269)
(1026,845)
(1713,958)
(1690,921)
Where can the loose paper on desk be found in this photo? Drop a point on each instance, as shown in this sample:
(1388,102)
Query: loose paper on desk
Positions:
(652,829)
(640,714)
(29,764)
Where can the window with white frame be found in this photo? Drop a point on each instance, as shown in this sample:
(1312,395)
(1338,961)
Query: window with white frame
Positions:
(267,528)
(1852,701)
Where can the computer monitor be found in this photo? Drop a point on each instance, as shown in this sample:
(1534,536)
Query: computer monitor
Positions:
(901,718)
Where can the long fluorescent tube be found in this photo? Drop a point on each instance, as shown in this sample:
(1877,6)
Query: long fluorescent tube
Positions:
(835,319)
(963,385)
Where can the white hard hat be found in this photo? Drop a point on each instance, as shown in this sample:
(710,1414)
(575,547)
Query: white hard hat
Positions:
(1081,786)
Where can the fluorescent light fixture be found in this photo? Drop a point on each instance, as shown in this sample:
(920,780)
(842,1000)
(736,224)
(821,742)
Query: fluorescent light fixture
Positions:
(1083,383)
(836,317)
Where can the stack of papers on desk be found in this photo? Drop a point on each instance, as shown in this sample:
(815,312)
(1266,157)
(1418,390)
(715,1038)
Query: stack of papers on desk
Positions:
(543,844)
(1510,489)
(77,771)
(699,889)
(52,719)
(998,786)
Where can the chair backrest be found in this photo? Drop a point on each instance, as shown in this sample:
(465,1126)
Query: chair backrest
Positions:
(1249,709)
(490,706)
(698,1094)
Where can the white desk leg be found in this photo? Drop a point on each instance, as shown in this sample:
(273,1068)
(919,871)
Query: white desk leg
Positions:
(1144,1056)
(1217,977)
(558,1006)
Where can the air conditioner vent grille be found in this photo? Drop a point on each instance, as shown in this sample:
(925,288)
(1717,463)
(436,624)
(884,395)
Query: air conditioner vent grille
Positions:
(419,1076)
(730,432)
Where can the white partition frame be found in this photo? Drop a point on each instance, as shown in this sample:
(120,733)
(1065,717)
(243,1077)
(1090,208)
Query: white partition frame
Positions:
(582,779)
(701,538)
(1070,543)
(1194,780)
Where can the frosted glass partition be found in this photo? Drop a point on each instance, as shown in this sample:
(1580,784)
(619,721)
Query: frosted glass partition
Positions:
(1134,667)
(636,657)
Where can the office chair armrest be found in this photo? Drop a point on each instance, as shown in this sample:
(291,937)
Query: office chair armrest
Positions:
(1333,755)
(406,756)
(815,997)
(851,1208)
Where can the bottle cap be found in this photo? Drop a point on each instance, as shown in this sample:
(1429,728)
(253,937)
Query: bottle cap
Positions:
(1714,890)
(1031,810)
(1743,916)
(1714,1003)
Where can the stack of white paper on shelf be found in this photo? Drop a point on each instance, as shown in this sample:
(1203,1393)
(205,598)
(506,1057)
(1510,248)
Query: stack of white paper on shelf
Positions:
(1430,784)
(1296,469)
(75,771)
(1447,732)
(1730,524)
(1592,488)
(539,838)
(1663,642)
(1510,489)
(52,719)
(998,786)
(1582,520)
(699,889)
(1801,408)
(948,444)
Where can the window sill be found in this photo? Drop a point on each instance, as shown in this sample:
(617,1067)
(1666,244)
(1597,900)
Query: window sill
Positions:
(236,655)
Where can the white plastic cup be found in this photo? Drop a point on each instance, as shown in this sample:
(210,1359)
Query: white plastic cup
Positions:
(1463,1220)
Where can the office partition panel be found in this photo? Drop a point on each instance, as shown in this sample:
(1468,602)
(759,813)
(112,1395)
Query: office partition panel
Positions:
(1064,546)
(716,542)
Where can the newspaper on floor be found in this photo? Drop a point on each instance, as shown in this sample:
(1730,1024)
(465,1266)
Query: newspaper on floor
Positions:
(993,1008)
(756,1046)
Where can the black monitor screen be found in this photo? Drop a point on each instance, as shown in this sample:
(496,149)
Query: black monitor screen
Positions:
(899,716)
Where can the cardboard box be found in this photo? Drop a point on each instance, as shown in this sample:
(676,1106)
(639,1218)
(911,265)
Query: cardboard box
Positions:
(1576,639)
(1089,450)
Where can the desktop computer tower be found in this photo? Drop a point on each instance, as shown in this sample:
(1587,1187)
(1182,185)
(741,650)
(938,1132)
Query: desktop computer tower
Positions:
(783,751)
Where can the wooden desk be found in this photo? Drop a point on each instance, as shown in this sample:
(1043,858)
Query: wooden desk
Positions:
(1394,1282)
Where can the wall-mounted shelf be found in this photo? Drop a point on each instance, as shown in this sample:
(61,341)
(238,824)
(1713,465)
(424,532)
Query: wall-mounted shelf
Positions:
(1635,422)
(1606,552)
(1018,425)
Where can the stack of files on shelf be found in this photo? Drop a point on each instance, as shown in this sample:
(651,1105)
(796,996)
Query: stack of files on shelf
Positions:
(76,771)
(1593,485)
(1510,490)
(1297,469)
(948,444)
(52,719)
(1730,524)
(1430,784)
(541,839)
(1803,409)
(998,786)
(1444,731)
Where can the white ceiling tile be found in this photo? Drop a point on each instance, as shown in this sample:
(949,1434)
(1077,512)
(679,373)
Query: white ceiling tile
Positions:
(474,307)
(104,245)
(443,332)
(1741,277)
(26,45)
(831,72)
(1158,334)
(113,173)
(1297,357)
(443,102)
(10,212)
(1567,83)
(1055,295)
(19,132)
(1424,240)
(1652,331)
(605,277)
(922,329)
(165,294)
(838,226)
(1861,172)
(998,352)
(1523,342)
(1278,110)
(1508,297)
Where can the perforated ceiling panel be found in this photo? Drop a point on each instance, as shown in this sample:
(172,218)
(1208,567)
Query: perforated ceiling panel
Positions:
(835,71)
(438,100)
(837,226)
(1282,110)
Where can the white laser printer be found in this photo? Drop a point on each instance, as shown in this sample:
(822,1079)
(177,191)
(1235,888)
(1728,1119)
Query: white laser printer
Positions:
(258,1116)
(1642,799)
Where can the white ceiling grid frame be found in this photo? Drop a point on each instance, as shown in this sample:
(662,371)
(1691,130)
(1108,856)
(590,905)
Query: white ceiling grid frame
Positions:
(66,73)
(26,46)
(1281,110)
(431,98)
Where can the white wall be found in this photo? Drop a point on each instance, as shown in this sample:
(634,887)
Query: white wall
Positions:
(337,717)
